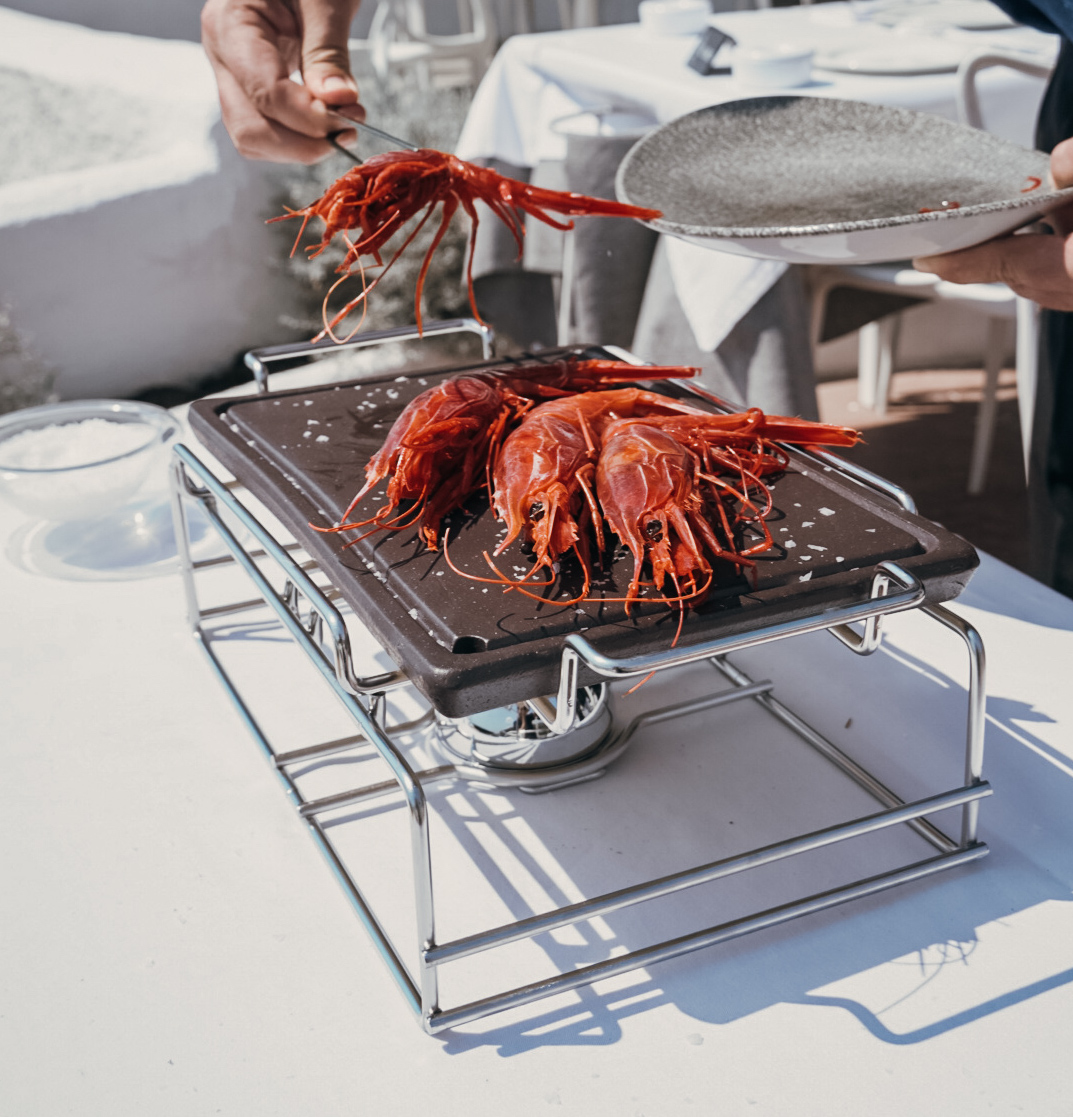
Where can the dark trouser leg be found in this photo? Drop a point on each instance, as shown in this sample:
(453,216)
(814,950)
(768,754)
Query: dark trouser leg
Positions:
(1050,481)
(1050,474)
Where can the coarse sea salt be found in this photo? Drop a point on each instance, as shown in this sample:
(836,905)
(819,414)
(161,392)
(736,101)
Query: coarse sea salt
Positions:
(70,445)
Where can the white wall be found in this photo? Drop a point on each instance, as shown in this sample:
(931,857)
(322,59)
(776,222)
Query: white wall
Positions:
(163,19)
(153,271)
(162,287)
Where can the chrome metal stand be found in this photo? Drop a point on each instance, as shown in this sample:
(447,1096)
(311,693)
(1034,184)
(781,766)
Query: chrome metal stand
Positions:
(258,361)
(306,611)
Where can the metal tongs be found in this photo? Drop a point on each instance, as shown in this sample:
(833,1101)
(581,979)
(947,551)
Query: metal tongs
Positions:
(396,143)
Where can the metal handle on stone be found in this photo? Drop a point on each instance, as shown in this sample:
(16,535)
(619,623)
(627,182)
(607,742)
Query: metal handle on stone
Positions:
(908,595)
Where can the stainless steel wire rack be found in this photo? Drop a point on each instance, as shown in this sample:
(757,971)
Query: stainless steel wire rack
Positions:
(307,607)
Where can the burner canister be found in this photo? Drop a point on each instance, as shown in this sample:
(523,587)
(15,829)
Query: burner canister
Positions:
(516,738)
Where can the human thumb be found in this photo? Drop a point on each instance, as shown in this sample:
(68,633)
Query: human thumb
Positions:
(325,56)
(1062,176)
(1062,164)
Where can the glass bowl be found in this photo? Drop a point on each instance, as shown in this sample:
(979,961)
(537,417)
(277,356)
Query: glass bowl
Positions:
(80,460)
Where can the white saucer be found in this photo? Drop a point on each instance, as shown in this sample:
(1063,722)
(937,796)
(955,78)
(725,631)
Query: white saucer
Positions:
(900,58)
(969,15)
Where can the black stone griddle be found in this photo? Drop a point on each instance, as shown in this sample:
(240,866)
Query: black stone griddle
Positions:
(467,645)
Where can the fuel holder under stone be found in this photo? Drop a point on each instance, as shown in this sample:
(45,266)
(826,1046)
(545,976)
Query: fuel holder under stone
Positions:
(470,647)
(477,655)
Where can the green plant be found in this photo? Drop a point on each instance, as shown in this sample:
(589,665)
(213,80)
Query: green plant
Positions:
(25,379)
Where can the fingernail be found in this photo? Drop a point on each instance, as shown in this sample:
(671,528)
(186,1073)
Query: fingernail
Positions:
(336,82)
(922,264)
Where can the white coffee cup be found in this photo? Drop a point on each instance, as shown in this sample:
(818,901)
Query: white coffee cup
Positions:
(674,17)
(776,67)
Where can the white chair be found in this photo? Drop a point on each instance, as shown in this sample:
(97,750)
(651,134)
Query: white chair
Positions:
(995,301)
(522,12)
(877,342)
(399,40)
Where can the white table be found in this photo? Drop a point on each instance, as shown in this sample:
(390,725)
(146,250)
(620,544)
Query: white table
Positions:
(173,943)
(535,79)
(538,79)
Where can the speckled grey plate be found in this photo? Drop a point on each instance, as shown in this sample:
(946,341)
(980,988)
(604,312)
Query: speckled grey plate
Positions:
(814,180)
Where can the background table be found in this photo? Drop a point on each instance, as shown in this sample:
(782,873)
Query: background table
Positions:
(695,297)
(174,944)
(535,79)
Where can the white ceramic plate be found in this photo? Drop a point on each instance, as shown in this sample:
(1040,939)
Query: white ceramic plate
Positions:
(901,57)
(813,180)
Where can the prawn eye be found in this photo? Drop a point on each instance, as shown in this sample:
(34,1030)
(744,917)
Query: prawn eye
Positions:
(654,530)
(536,512)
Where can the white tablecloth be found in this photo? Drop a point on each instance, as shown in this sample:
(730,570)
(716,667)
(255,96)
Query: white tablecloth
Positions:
(174,944)
(536,79)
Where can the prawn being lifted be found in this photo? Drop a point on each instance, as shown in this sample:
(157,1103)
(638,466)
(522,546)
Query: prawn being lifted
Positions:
(377,198)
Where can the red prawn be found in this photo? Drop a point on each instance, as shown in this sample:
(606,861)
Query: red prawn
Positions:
(379,196)
(543,476)
(649,486)
(743,428)
(737,451)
